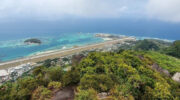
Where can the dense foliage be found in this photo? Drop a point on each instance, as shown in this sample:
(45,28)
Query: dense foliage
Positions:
(38,86)
(169,48)
(150,44)
(174,49)
(89,94)
(125,75)
(146,45)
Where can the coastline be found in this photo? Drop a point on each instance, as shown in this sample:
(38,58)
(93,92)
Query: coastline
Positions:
(59,53)
(16,49)
(55,49)
(104,36)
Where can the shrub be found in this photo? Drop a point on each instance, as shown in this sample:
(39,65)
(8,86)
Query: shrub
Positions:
(54,73)
(41,93)
(89,94)
(100,83)
(54,85)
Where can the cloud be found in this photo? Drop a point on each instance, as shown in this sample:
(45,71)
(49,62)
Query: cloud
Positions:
(56,9)
(166,10)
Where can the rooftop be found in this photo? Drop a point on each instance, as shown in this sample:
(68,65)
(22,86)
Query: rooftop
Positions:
(3,73)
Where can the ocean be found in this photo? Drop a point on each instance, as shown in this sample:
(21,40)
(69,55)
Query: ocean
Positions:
(75,32)
(13,49)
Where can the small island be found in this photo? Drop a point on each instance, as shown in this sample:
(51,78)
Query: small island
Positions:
(32,41)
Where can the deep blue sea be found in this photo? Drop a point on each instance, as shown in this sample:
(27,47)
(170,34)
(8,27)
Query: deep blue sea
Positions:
(75,32)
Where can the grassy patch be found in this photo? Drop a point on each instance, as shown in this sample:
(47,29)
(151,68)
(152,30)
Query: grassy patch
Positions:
(167,62)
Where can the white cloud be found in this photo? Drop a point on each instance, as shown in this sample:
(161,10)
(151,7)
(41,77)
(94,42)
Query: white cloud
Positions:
(55,9)
(167,10)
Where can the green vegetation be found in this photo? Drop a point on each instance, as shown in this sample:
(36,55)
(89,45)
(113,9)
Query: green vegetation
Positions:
(41,93)
(146,45)
(174,49)
(38,86)
(150,44)
(89,94)
(166,62)
(123,75)
(54,85)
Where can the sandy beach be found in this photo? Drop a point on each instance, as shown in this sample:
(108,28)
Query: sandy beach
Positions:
(59,53)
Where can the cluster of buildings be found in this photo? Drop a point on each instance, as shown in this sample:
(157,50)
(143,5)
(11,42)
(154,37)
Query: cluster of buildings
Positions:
(14,72)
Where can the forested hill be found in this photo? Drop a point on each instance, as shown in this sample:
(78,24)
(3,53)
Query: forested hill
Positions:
(121,75)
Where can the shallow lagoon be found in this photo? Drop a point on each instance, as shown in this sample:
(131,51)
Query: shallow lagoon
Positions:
(14,49)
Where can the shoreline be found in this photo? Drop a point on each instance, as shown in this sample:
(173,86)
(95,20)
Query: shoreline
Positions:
(6,59)
(59,53)
(51,51)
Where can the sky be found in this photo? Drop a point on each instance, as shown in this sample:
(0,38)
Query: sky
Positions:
(53,10)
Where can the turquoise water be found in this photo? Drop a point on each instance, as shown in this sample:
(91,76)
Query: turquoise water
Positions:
(14,49)
(65,34)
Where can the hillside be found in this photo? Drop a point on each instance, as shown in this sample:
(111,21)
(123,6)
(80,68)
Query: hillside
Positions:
(172,64)
(126,75)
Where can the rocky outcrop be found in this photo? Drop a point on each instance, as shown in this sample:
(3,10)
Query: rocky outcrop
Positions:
(102,96)
(159,69)
(176,77)
(66,93)
(156,67)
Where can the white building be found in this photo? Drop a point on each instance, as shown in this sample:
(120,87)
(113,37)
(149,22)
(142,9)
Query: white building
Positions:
(4,76)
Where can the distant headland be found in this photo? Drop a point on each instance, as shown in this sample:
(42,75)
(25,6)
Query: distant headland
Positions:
(108,36)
